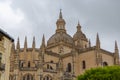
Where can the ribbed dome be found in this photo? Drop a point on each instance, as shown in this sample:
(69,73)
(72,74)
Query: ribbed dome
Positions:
(60,37)
(79,34)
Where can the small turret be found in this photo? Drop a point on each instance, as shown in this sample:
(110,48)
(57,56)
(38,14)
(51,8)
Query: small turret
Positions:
(116,54)
(79,38)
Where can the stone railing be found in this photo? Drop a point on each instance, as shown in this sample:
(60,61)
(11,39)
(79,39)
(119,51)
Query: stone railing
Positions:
(28,69)
(50,70)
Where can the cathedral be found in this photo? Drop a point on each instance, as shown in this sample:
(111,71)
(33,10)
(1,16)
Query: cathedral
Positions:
(64,57)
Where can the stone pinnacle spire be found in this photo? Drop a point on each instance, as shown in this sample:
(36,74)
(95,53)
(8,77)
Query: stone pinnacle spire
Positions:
(33,44)
(97,42)
(116,54)
(25,43)
(18,44)
(43,42)
(116,46)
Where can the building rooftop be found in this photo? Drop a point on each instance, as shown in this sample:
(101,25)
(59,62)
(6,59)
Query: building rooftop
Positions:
(6,35)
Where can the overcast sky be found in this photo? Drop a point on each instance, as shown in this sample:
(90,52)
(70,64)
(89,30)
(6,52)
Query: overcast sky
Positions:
(20,18)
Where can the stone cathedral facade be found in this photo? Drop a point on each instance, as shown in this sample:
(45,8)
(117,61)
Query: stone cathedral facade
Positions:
(64,57)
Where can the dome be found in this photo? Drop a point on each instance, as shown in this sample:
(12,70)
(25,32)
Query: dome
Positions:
(60,37)
(79,35)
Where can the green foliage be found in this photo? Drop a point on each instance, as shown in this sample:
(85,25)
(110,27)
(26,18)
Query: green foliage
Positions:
(102,73)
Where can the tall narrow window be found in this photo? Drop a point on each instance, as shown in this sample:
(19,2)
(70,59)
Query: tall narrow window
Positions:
(47,66)
(22,64)
(28,77)
(69,67)
(29,64)
(83,64)
(47,78)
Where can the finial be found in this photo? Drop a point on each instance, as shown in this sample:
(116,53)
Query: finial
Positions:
(33,44)
(18,44)
(60,15)
(78,26)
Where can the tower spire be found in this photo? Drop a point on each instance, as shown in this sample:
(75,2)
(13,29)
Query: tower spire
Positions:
(18,44)
(97,42)
(25,43)
(60,15)
(33,44)
(60,23)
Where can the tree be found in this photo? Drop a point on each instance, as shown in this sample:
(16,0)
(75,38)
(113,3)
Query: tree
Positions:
(101,73)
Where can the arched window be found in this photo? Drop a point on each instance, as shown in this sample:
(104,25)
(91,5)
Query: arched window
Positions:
(24,78)
(69,67)
(29,64)
(105,64)
(28,77)
(47,78)
(83,64)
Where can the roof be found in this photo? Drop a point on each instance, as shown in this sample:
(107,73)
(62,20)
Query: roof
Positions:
(6,35)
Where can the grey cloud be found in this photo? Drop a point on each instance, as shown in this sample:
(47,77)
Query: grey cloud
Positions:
(94,15)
